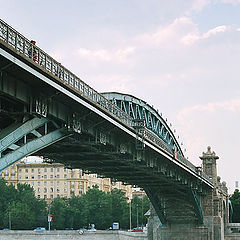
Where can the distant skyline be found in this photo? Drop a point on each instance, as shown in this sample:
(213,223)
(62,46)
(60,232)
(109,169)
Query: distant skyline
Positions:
(181,56)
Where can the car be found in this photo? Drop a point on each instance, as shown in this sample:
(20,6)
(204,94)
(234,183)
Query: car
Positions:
(38,229)
(138,229)
(5,229)
(92,230)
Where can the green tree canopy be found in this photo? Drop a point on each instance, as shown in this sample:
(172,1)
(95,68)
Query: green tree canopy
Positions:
(235,199)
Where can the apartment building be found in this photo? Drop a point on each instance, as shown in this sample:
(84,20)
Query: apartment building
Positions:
(54,180)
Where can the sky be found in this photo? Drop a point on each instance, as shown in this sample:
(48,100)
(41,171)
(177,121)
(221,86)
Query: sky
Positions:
(181,56)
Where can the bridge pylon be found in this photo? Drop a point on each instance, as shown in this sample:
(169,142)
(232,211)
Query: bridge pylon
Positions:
(214,207)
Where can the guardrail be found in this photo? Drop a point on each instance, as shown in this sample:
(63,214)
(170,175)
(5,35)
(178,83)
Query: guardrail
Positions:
(38,56)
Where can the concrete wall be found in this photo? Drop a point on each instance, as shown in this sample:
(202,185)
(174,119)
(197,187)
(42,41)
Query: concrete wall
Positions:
(233,236)
(71,235)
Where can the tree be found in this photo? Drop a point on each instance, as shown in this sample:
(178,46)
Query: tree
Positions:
(139,207)
(96,208)
(8,194)
(235,199)
(119,209)
(58,210)
(75,217)
(20,207)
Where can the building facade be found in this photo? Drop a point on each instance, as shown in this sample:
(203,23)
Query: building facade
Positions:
(54,180)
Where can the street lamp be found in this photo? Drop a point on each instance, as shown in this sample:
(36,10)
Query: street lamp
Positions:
(130,214)
(137,214)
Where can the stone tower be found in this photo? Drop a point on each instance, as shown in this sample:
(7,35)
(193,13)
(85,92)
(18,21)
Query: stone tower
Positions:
(215,203)
(209,164)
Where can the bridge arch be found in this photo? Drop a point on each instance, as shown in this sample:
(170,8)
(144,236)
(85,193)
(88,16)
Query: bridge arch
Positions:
(139,109)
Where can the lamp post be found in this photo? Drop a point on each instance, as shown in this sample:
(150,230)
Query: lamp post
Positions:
(9,220)
(137,214)
(130,214)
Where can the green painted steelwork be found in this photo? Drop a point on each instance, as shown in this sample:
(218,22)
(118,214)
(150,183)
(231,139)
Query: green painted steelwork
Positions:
(197,206)
(157,204)
(32,147)
(14,132)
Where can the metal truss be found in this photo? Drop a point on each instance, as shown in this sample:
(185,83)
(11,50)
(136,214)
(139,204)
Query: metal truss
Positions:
(197,206)
(140,110)
(20,140)
(158,205)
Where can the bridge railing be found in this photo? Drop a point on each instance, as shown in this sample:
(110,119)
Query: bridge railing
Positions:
(38,56)
(46,62)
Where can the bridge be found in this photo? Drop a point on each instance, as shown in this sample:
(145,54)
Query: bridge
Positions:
(47,110)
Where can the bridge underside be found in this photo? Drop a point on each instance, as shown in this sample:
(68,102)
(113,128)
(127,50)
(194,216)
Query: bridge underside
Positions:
(36,118)
(174,196)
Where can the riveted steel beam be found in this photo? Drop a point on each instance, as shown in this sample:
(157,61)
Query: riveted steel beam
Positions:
(197,206)
(157,205)
(16,132)
(32,147)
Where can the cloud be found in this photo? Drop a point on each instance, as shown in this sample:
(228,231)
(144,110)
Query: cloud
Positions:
(108,83)
(234,2)
(168,35)
(232,105)
(198,5)
(195,36)
(106,55)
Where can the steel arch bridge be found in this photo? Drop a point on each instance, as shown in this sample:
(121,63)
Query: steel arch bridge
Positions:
(143,113)
(47,110)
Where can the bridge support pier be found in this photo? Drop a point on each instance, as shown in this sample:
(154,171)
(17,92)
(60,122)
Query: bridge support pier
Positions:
(214,207)
(213,229)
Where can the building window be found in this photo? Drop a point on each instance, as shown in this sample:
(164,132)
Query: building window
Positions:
(6,177)
(26,170)
(39,177)
(58,190)
(65,175)
(51,169)
(13,177)
(38,183)
(65,169)
(45,183)
(20,176)
(32,170)
(39,189)
(51,183)
(45,196)
(32,183)
(45,176)
(58,169)
(26,177)
(57,175)
(58,183)
(65,183)
(38,196)
(45,170)
(51,196)
(20,170)
(51,189)
(65,190)
(51,176)
(32,177)
(45,190)
(39,170)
